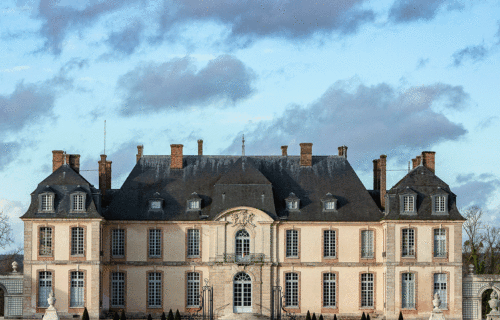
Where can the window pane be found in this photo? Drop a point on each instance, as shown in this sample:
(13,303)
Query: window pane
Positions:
(154,290)
(440,243)
(193,289)
(44,287)
(367,290)
(292,243)
(408,245)
(291,290)
(329,294)
(118,289)
(78,204)
(409,203)
(46,202)
(329,239)
(155,242)
(45,241)
(367,244)
(77,241)
(193,247)
(77,290)
(440,286)
(408,290)
(439,204)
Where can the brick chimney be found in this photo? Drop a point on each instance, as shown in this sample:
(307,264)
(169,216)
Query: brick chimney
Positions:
(104,174)
(379,177)
(414,163)
(284,151)
(73,160)
(306,154)
(343,151)
(176,156)
(200,147)
(140,149)
(428,160)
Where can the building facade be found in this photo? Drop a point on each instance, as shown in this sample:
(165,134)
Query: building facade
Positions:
(245,224)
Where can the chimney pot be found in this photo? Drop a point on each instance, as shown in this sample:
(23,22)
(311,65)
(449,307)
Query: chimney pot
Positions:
(343,151)
(429,160)
(104,174)
(383,179)
(306,154)
(200,147)
(284,151)
(74,162)
(176,156)
(140,149)
(57,159)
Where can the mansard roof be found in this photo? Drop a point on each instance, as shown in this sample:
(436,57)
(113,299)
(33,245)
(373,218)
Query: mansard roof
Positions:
(224,182)
(424,183)
(63,182)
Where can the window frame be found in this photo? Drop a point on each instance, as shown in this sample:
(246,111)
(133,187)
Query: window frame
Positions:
(408,285)
(329,258)
(435,198)
(447,295)
(72,202)
(189,293)
(403,244)
(295,307)
(297,240)
(154,307)
(116,307)
(443,258)
(83,245)
(79,308)
(367,290)
(411,195)
(191,254)
(292,203)
(362,255)
(52,202)
(159,243)
(42,308)
(112,246)
(329,308)
(50,256)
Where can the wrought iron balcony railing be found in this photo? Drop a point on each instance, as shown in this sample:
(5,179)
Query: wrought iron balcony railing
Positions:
(242,259)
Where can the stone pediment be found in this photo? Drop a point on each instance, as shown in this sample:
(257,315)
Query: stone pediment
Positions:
(244,217)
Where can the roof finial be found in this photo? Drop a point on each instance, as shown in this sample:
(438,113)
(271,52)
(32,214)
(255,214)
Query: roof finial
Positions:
(64,158)
(243,145)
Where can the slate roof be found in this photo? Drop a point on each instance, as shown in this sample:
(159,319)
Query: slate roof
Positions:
(424,183)
(224,182)
(62,183)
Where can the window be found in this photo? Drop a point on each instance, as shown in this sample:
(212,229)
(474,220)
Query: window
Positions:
(409,203)
(367,290)
(292,205)
(193,205)
(44,287)
(440,287)
(440,204)
(47,202)
(408,249)
(329,244)
(78,202)
(292,290)
(155,205)
(117,289)
(408,291)
(329,286)
(193,243)
(118,243)
(155,243)
(193,289)
(77,241)
(329,205)
(45,248)
(242,243)
(292,244)
(367,244)
(292,202)
(77,290)
(440,243)
(154,290)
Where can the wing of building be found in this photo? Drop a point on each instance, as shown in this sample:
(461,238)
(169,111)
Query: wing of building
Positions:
(258,229)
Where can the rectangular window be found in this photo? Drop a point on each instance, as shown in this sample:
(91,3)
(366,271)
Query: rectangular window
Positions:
(154,290)
(77,241)
(367,244)
(439,204)
(440,243)
(408,291)
(329,286)
(292,290)
(78,204)
(440,287)
(329,205)
(155,243)
(193,245)
(292,244)
(367,290)
(193,289)
(77,290)
(44,287)
(292,204)
(329,243)
(408,249)
(45,242)
(118,243)
(409,204)
(117,289)
(47,202)
(194,204)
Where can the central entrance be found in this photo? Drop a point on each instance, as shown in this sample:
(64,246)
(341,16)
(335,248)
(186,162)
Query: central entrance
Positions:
(242,293)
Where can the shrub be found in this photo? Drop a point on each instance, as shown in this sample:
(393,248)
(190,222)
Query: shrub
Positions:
(363,317)
(85,315)
(321,317)
(334,317)
(122,316)
(368,317)
(163,316)
(177,315)
(149,317)
(116,317)
(170,315)
(400,316)
(314,316)
(308,317)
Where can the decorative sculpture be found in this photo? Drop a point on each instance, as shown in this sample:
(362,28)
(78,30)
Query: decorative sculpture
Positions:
(436,314)
(51,312)
(243,218)
(14,267)
(436,302)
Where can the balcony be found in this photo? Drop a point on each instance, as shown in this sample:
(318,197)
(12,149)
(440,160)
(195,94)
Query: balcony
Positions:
(242,259)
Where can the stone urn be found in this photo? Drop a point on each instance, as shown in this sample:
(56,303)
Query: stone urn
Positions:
(51,300)
(493,302)
(14,267)
(436,302)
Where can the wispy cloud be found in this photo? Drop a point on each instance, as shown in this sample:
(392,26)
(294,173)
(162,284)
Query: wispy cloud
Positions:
(475,189)
(403,11)
(472,53)
(16,69)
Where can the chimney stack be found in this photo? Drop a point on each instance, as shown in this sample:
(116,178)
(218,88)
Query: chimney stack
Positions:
(306,154)
(140,149)
(343,151)
(414,163)
(176,156)
(104,174)
(200,147)
(57,159)
(284,151)
(379,177)
(428,160)
(73,160)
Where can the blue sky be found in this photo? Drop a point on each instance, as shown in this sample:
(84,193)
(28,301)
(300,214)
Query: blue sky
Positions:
(393,77)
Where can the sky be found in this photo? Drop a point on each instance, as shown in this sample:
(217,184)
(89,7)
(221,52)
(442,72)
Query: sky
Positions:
(394,77)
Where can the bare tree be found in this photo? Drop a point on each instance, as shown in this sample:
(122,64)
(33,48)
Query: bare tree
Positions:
(6,240)
(473,227)
(491,239)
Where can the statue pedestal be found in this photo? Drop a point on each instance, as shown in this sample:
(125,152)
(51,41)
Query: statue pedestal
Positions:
(51,314)
(493,315)
(435,315)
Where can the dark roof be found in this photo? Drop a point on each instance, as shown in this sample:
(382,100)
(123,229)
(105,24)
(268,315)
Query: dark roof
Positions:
(424,183)
(62,183)
(224,182)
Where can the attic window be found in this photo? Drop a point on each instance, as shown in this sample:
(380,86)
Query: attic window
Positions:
(78,201)
(47,203)
(155,205)
(440,202)
(329,203)
(408,202)
(194,202)
(292,202)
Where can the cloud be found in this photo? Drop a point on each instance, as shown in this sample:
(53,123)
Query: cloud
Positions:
(15,69)
(476,190)
(369,120)
(290,19)
(125,42)
(403,11)
(177,84)
(422,63)
(473,53)
(58,20)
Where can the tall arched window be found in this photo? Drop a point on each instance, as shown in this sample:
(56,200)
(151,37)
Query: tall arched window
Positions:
(242,243)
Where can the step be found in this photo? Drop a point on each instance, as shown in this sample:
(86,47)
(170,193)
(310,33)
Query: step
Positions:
(244,316)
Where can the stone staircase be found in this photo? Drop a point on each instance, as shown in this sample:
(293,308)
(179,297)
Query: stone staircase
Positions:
(244,316)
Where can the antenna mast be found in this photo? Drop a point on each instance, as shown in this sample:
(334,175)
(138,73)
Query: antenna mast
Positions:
(104,136)
(243,146)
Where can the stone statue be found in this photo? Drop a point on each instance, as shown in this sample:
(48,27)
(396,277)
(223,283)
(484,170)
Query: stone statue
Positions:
(51,300)
(436,313)
(436,302)
(51,312)
(14,267)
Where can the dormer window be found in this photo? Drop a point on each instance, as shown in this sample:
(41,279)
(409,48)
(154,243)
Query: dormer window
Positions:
(408,202)
(194,205)
(329,203)
(155,205)
(77,199)
(292,202)
(156,202)
(440,202)
(46,200)
(194,202)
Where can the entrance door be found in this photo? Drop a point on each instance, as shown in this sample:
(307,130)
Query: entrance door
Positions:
(242,293)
